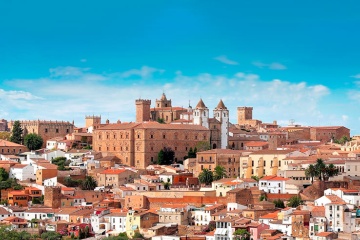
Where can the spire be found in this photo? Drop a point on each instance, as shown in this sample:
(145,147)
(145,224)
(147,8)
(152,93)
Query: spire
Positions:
(200,104)
(221,105)
(163,97)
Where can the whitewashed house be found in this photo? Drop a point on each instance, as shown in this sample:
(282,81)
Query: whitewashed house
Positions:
(22,172)
(273,184)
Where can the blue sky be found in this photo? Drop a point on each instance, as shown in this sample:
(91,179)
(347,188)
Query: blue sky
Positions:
(298,60)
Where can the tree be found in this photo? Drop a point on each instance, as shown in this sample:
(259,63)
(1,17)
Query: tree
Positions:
(242,234)
(206,176)
(279,203)
(219,172)
(330,171)
(33,141)
(167,184)
(121,236)
(166,156)
(5,135)
(295,201)
(4,175)
(160,120)
(16,133)
(311,172)
(89,183)
(191,153)
(256,178)
(51,236)
(320,168)
(263,197)
(138,235)
(203,146)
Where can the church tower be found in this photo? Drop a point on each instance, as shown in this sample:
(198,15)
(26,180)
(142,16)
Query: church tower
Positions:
(142,110)
(221,113)
(201,114)
(163,102)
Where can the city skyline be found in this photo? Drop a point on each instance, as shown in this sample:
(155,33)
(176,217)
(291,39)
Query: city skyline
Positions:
(287,60)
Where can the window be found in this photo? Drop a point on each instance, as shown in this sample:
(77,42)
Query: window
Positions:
(46,130)
(57,130)
(151,136)
(164,136)
(67,130)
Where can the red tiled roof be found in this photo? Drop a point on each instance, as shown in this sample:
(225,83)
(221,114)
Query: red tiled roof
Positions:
(113,171)
(274,178)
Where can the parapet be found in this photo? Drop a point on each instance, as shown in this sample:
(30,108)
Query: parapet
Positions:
(143,101)
(244,108)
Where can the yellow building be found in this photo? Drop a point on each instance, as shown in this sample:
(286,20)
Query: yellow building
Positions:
(262,163)
(138,220)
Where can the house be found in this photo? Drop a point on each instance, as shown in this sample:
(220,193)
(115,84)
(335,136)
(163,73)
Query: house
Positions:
(22,197)
(115,223)
(139,220)
(115,177)
(202,216)
(350,196)
(273,184)
(22,172)
(15,222)
(317,221)
(10,148)
(335,208)
(174,213)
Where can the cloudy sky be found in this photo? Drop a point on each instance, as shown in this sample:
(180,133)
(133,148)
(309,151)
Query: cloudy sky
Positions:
(62,60)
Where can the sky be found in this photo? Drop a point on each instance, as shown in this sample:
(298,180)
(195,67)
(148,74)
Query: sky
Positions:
(290,60)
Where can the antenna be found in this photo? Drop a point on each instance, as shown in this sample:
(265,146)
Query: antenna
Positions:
(292,121)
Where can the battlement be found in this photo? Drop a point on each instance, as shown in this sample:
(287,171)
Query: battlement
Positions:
(143,101)
(24,122)
(92,117)
(245,108)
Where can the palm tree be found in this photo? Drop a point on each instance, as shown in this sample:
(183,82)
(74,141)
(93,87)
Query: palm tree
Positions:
(320,167)
(295,201)
(89,183)
(311,172)
(219,173)
(330,171)
(206,176)
(242,234)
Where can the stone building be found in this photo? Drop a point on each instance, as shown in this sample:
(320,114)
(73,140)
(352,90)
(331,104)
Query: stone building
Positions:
(10,148)
(245,117)
(327,133)
(52,197)
(229,159)
(46,129)
(138,144)
(3,125)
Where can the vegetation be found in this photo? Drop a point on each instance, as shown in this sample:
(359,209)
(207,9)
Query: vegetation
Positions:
(121,236)
(4,175)
(192,153)
(51,236)
(17,132)
(10,183)
(166,156)
(69,182)
(167,184)
(295,201)
(61,162)
(33,141)
(263,197)
(160,120)
(256,178)
(5,135)
(242,234)
(279,203)
(202,146)
(342,140)
(219,173)
(89,183)
(138,235)
(321,170)
(206,176)
(9,234)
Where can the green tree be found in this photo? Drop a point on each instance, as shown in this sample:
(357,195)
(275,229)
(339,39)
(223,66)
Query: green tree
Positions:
(51,236)
(61,162)
(16,133)
(330,171)
(89,183)
(320,167)
(33,141)
(121,236)
(167,184)
(311,172)
(191,153)
(166,156)
(279,203)
(242,234)
(160,120)
(203,146)
(295,201)
(263,197)
(206,176)
(219,172)
(138,235)
(4,175)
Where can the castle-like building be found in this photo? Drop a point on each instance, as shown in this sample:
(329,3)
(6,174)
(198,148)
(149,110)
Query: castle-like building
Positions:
(46,129)
(138,143)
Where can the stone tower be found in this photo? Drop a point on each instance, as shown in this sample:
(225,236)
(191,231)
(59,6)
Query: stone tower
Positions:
(221,113)
(92,121)
(244,113)
(201,114)
(163,102)
(52,197)
(142,110)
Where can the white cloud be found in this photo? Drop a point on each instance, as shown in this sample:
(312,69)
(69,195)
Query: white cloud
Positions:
(356,76)
(68,94)
(273,66)
(226,60)
(344,117)
(144,72)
